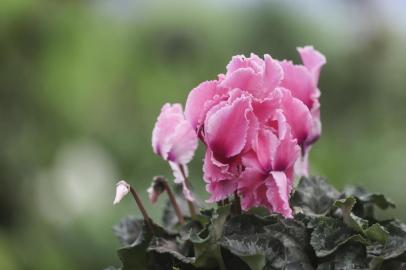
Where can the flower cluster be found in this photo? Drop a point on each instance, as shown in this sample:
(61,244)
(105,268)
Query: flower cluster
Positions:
(257,121)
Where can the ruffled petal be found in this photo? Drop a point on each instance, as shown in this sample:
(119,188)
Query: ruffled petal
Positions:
(213,170)
(246,79)
(313,60)
(221,190)
(299,81)
(298,116)
(183,143)
(226,129)
(273,74)
(179,179)
(164,128)
(265,146)
(248,186)
(286,154)
(197,101)
(173,137)
(278,193)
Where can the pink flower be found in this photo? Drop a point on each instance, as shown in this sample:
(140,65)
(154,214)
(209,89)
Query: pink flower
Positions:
(254,120)
(175,140)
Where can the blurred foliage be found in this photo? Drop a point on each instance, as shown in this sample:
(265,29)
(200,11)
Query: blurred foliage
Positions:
(81,83)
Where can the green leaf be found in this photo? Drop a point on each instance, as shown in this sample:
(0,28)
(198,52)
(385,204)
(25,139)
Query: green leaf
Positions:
(351,220)
(206,243)
(314,196)
(135,256)
(329,234)
(129,230)
(395,245)
(245,236)
(350,256)
(267,243)
(289,242)
(365,197)
(377,232)
(171,246)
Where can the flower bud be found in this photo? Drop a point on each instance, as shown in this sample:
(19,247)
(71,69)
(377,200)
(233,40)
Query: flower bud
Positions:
(122,189)
(157,187)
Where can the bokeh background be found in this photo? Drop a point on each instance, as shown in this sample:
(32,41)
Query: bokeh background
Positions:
(82,82)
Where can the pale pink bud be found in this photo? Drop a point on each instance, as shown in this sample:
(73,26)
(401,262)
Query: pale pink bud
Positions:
(122,189)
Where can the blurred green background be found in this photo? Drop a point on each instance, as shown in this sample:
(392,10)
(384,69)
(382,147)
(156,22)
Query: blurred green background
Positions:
(82,82)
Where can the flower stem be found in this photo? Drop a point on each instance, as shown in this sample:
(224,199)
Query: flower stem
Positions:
(192,209)
(174,202)
(144,213)
(236,204)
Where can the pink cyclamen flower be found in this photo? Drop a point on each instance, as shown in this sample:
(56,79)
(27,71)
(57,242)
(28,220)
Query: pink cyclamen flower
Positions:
(254,119)
(175,140)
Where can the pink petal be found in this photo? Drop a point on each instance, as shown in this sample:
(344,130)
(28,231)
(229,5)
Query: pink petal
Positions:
(265,108)
(298,116)
(251,180)
(183,143)
(315,131)
(195,104)
(240,61)
(221,190)
(313,60)
(246,79)
(250,160)
(180,179)
(214,170)
(300,82)
(226,129)
(173,137)
(273,74)
(265,146)
(286,154)
(166,124)
(302,164)
(278,193)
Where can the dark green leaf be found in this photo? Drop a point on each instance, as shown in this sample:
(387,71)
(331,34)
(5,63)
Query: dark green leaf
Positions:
(246,237)
(348,257)
(331,233)
(135,255)
(396,242)
(375,232)
(129,230)
(289,241)
(267,243)
(351,220)
(369,198)
(314,196)
(171,246)
(206,243)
